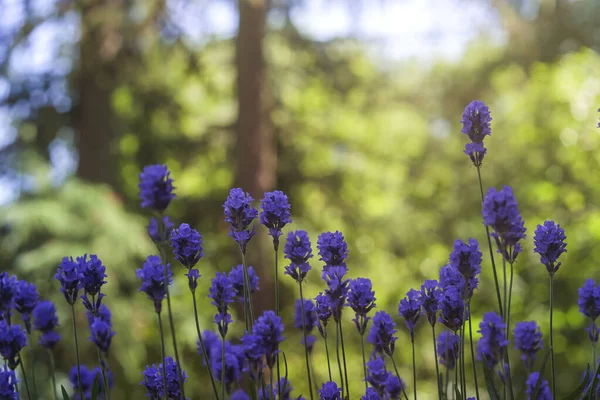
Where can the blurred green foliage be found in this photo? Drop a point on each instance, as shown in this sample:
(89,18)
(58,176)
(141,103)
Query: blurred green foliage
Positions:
(375,154)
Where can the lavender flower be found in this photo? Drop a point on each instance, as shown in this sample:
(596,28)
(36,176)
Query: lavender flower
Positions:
(102,334)
(12,340)
(193,275)
(275,214)
(68,276)
(394,387)
(466,258)
(156,187)
(222,293)
(236,276)
(154,229)
(26,298)
(7,292)
(381,335)
(528,340)
(532,383)
(269,330)
(103,313)
(330,391)
(239,213)
(91,279)
(298,250)
(186,244)
(333,249)
(593,333)
(410,309)
(549,240)
(430,297)
(451,307)
(377,375)
(46,321)
(234,364)
(337,289)
(589,299)
(501,213)
(310,316)
(152,275)
(476,121)
(153,380)
(361,298)
(323,309)
(251,346)
(8,384)
(371,394)
(240,394)
(447,348)
(476,153)
(211,341)
(493,339)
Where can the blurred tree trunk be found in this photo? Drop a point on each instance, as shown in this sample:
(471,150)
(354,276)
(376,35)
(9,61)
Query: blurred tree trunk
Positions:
(94,117)
(255,149)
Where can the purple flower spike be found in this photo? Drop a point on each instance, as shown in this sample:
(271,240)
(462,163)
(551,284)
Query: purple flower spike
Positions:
(102,334)
(239,214)
(152,275)
(68,276)
(8,384)
(476,153)
(493,339)
(91,277)
(549,240)
(589,299)
(269,330)
(12,340)
(466,258)
(8,287)
(154,231)
(26,298)
(377,375)
(410,309)
(46,321)
(430,297)
(501,213)
(186,244)
(361,298)
(222,293)
(333,249)
(381,335)
(528,340)
(298,250)
(275,214)
(310,316)
(337,289)
(156,187)
(330,391)
(451,309)
(236,276)
(447,348)
(323,310)
(476,121)
(532,384)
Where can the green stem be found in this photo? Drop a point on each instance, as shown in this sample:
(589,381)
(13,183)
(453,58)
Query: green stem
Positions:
(364,360)
(32,357)
(314,376)
(437,366)
(327,352)
(277,314)
(509,302)
(103,375)
(552,338)
(455,380)
(223,368)
(305,345)
(594,353)
(202,347)
(398,375)
(414,362)
(463,382)
(24,377)
(77,352)
(337,354)
(162,351)
(344,359)
(487,235)
(473,353)
(53,373)
(248,293)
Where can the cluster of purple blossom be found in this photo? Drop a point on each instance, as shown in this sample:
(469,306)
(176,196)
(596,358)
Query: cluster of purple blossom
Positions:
(249,368)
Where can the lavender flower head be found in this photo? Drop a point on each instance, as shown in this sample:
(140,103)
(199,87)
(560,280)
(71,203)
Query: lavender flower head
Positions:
(549,240)
(493,339)
(154,230)
(103,313)
(46,321)
(152,275)
(476,153)
(333,249)
(377,375)
(430,297)
(323,310)
(394,387)
(8,384)
(240,394)
(186,244)
(269,330)
(371,394)
(156,187)
(275,214)
(310,315)
(222,293)
(26,298)
(68,276)
(589,299)
(451,277)
(12,340)
(381,334)
(330,391)
(101,334)
(447,348)
(87,378)
(476,121)
(451,308)
(91,279)
(410,309)
(501,213)
(544,392)
(236,276)
(337,289)
(239,214)
(593,333)
(253,353)
(361,298)
(234,364)
(7,293)
(528,340)
(153,380)
(298,250)
(466,258)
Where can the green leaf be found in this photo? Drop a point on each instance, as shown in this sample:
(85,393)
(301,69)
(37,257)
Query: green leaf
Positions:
(285,364)
(489,380)
(65,395)
(95,388)
(589,394)
(576,394)
(457,392)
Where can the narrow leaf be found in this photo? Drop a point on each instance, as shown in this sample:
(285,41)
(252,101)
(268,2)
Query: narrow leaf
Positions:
(95,388)
(489,380)
(578,391)
(65,395)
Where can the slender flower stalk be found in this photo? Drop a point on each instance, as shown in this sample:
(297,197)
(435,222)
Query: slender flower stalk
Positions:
(327,354)
(52,373)
(25,377)
(26,298)
(339,360)
(361,298)
(203,347)
(410,309)
(437,367)
(344,358)
(76,351)
(323,310)
(472,351)
(305,328)
(162,350)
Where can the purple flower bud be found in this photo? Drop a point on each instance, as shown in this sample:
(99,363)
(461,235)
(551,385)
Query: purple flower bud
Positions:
(330,391)
(361,298)
(528,340)
(447,348)
(532,383)
(381,335)
(298,250)
(12,340)
(476,121)
(239,214)
(493,339)
(410,309)
(333,249)
(186,244)
(549,240)
(152,275)
(589,299)
(222,293)
(236,276)
(430,296)
(156,187)
(275,214)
